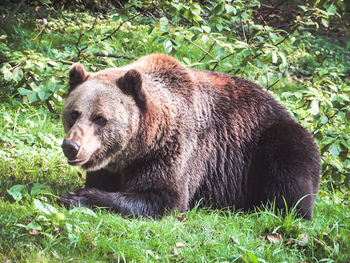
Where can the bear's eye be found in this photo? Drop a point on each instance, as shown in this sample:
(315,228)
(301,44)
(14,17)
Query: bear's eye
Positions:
(99,120)
(75,115)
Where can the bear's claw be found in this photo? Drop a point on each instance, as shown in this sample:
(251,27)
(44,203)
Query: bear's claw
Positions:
(77,198)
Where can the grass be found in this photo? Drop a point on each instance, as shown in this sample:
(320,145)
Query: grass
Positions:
(36,228)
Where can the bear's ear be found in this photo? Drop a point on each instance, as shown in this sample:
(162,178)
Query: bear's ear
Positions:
(77,75)
(131,83)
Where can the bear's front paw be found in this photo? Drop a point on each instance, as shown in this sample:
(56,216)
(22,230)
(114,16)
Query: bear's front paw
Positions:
(81,197)
(88,197)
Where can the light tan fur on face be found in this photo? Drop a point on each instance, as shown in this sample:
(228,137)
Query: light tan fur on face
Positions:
(84,135)
(90,99)
(100,92)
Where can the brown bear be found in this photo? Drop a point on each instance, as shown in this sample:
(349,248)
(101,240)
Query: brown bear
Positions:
(156,136)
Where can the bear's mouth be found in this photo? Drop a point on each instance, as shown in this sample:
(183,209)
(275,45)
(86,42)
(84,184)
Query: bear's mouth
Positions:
(77,161)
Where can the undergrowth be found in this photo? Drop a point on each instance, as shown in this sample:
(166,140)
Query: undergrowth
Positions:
(306,72)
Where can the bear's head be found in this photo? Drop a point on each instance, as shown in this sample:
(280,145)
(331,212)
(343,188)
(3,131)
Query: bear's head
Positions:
(101,115)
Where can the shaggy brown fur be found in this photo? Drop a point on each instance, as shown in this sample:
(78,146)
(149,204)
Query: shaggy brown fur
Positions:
(155,135)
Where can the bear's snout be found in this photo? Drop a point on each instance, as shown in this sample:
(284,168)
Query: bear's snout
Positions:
(70,149)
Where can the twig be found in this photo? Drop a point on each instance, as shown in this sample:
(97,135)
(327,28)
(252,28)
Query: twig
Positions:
(49,106)
(93,24)
(289,33)
(77,44)
(80,50)
(210,48)
(3,23)
(122,23)
(148,12)
(225,57)
(65,62)
(206,52)
(262,19)
(99,54)
(41,31)
(245,62)
(273,84)
(245,37)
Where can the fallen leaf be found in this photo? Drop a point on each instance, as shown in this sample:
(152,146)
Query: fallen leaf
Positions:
(179,244)
(33,232)
(234,240)
(56,229)
(150,253)
(274,238)
(93,244)
(319,242)
(290,242)
(303,239)
(181,218)
(54,254)
(174,251)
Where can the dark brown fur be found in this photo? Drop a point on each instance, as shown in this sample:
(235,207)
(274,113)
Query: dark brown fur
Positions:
(155,135)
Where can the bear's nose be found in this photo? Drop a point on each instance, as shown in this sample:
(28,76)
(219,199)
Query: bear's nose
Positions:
(70,149)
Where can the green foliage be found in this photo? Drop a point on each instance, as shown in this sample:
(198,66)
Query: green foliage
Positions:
(294,58)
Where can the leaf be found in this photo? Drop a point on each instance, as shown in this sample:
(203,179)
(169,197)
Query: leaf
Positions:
(40,189)
(150,30)
(179,244)
(39,206)
(8,75)
(274,238)
(303,7)
(24,92)
(34,226)
(206,29)
(43,94)
(83,210)
(334,151)
(33,97)
(187,61)
(274,57)
(163,21)
(314,109)
(253,258)
(17,74)
(283,57)
(16,191)
(230,9)
(332,9)
(325,22)
(323,119)
(168,46)
(219,27)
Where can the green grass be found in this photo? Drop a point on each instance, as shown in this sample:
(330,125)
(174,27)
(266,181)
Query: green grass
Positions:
(36,228)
